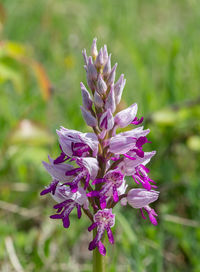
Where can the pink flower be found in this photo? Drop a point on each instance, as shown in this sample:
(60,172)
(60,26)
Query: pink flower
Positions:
(112,181)
(103,220)
(140,198)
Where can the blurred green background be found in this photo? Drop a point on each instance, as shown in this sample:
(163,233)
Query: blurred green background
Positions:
(156,44)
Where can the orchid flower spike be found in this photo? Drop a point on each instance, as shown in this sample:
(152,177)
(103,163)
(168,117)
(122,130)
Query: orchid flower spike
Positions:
(89,175)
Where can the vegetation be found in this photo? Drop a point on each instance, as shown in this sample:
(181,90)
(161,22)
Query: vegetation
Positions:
(156,44)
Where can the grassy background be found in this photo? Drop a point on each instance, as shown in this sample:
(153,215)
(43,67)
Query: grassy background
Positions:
(156,44)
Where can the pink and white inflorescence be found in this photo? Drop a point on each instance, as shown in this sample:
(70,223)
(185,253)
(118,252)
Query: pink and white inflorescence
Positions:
(90,172)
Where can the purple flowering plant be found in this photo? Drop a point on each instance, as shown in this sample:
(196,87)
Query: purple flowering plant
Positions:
(90,172)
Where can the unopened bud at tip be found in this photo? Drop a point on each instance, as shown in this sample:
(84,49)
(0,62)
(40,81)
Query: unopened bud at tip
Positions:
(94,51)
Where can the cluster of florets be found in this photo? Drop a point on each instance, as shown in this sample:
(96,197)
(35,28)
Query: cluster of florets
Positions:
(90,172)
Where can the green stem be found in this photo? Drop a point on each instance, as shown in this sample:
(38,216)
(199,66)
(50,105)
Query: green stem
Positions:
(98,259)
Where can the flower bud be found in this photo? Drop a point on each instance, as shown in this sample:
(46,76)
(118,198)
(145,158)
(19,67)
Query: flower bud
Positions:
(125,117)
(91,70)
(87,101)
(111,77)
(94,51)
(105,54)
(98,100)
(99,60)
(85,56)
(118,88)
(107,67)
(110,100)
(101,85)
(91,84)
(89,118)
